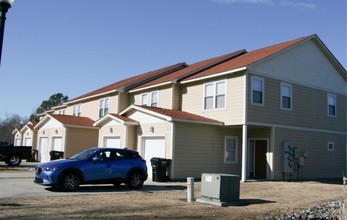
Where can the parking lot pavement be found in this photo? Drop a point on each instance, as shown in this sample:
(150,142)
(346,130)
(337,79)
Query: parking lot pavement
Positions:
(18,182)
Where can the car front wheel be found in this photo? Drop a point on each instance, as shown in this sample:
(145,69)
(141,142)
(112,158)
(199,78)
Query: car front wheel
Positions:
(135,180)
(70,182)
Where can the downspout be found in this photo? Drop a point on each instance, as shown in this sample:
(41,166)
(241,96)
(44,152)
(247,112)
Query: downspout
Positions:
(244,130)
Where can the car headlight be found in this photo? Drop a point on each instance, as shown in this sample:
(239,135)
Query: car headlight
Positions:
(50,169)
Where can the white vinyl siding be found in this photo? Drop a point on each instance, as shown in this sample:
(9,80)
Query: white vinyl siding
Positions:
(286,96)
(215,95)
(331,105)
(257,94)
(103,107)
(230,150)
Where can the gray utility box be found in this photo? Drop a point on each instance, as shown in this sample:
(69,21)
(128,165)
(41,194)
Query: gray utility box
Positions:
(220,187)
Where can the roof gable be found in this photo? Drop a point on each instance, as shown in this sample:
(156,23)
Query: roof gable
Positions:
(66,121)
(172,115)
(247,59)
(115,117)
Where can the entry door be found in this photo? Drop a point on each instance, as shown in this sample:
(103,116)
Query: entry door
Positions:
(112,142)
(257,159)
(44,150)
(153,147)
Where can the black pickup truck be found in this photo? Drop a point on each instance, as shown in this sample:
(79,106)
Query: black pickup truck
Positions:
(13,155)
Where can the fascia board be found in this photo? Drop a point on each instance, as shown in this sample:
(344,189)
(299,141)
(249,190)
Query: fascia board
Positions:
(78,126)
(197,122)
(90,97)
(150,87)
(43,121)
(215,75)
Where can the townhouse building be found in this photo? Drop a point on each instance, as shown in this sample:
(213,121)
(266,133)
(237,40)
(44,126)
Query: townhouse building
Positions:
(274,113)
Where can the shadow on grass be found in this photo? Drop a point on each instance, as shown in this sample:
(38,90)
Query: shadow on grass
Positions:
(122,188)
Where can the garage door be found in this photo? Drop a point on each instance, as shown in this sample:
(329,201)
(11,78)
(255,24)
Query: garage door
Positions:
(57,144)
(112,142)
(153,147)
(44,150)
(27,142)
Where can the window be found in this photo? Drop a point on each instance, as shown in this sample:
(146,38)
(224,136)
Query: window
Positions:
(214,95)
(331,146)
(257,91)
(286,96)
(77,110)
(230,150)
(62,112)
(103,107)
(154,99)
(150,99)
(144,99)
(331,105)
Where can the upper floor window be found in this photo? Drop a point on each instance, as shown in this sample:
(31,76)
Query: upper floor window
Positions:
(77,110)
(214,96)
(257,90)
(62,111)
(286,96)
(230,150)
(103,107)
(150,99)
(331,105)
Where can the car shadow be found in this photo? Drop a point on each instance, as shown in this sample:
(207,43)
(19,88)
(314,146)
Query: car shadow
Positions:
(122,188)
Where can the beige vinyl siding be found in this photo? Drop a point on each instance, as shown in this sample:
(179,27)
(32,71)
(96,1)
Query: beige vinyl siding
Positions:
(200,149)
(80,139)
(305,65)
(123,102)
(90,108)
(320,163)
(132,138)
(309,108)
(233,113)
(176,97)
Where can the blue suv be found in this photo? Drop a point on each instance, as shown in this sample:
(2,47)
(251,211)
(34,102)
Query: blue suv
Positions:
(92,166)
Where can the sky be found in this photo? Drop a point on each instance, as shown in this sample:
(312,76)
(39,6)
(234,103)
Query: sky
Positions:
(76,46)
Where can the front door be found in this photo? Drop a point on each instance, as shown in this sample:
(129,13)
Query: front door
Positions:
(257,159)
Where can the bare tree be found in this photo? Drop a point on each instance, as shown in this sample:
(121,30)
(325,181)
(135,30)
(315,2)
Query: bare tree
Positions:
(7,126)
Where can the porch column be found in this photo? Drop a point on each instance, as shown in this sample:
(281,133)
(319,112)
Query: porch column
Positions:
(244,153)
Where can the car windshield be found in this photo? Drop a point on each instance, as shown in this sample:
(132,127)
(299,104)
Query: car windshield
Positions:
(84,155)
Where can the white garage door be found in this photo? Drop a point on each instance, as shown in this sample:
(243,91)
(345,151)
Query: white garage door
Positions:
(153,147)
(112,142)
(44,150)
(27,142)
(57,144)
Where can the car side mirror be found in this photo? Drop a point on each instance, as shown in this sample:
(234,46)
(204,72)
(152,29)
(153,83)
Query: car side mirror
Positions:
(96,159)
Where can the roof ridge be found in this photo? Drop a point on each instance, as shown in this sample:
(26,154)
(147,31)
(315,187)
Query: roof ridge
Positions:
(113,86)
(223,59)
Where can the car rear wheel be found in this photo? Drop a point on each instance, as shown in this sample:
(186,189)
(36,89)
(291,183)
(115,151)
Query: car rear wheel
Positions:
(13,160)
(70,182)
(135,180)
